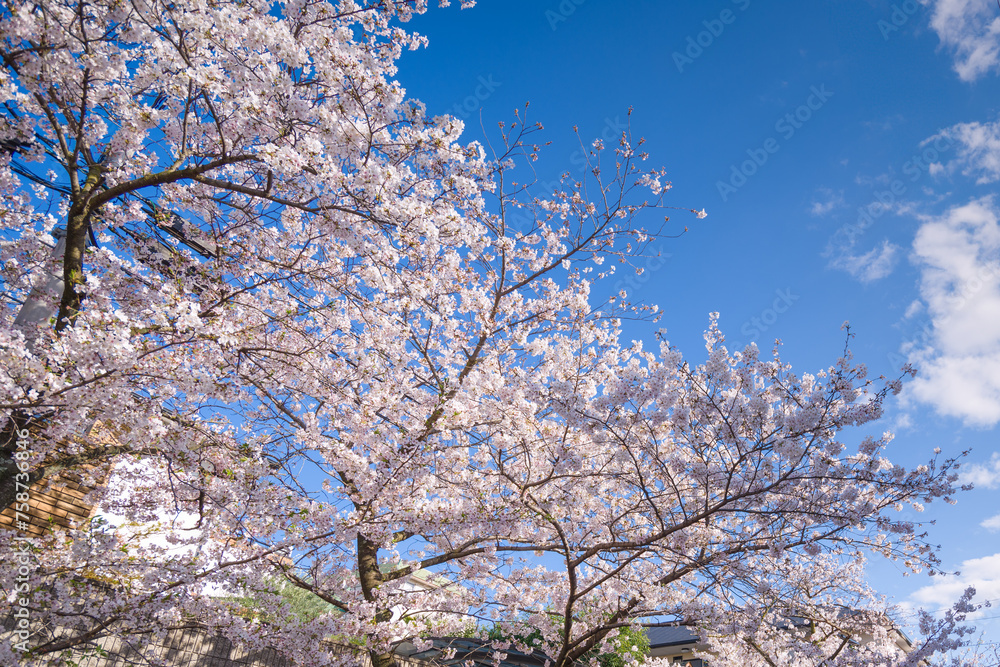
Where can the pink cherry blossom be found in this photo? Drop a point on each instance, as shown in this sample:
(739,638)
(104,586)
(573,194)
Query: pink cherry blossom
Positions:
(321,343)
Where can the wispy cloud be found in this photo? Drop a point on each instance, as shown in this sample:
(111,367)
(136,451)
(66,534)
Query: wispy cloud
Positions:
(958,255)
(875,264)
(970,30)
(983,475)
(981,573)
(826,202)
(978,154)
(992,524)
(885,124)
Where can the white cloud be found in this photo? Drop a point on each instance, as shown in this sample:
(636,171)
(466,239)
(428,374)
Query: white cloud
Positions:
(874,264)
(983,476)
(915,307)
(885,124)
(981,573)
(958,359)
(970,30)
(826,203)
(820,209)
(992,524)
(978,150)
(903,422)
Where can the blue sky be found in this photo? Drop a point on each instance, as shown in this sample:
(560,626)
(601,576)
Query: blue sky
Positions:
(788,122)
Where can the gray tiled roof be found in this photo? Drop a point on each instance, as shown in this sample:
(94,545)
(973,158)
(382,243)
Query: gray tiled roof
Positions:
(477,650)
(672,635)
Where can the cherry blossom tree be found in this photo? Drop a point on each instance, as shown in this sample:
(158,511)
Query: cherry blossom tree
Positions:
(298,317)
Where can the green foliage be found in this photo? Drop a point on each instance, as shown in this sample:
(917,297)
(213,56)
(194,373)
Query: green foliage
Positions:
(469,631)
(532,639)
(631,644)
(305,605)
